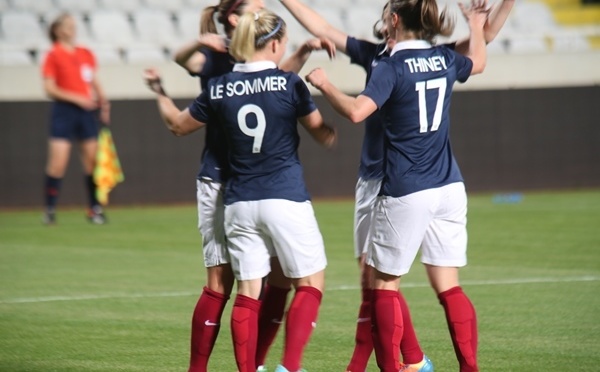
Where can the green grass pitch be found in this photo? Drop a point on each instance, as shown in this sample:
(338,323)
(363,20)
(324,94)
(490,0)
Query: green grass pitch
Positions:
(76,297)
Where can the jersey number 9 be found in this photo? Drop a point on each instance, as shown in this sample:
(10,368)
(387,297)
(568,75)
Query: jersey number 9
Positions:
(261,124)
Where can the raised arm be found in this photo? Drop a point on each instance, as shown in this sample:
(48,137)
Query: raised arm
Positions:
(476,16)
(189,57)
(180,123)
(315,24)
(296,61)
(354,109)
(493,25)
(321,132)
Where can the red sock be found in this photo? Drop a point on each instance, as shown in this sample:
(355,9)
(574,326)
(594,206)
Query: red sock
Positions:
(300,322)
(270,318)
(386,318)
(363,340)
(206,323)
(244,328)
(409,346)
(462,323)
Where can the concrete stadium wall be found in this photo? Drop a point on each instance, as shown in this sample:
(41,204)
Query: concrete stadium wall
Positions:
(505,140)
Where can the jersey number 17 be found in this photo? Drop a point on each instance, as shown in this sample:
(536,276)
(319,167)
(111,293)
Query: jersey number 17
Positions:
(421,87)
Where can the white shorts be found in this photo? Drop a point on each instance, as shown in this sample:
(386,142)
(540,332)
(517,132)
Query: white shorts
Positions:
(433,219)
(258,230)
(365,198)
(211,222)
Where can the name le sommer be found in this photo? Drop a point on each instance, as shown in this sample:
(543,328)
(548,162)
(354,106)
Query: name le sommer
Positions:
(245,87)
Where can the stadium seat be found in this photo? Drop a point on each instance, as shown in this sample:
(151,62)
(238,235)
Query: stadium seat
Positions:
(297,35)
(106,54)
(199,4)
(360,21)
(334,16)
(188,23)
(76,6)
(527,45)
(532,18)
(35,6)
(155,26)
(126,6)
(569,41)
(22,28)
(145,54)
(170,5)
(498,46)
(111,27)
(14,56)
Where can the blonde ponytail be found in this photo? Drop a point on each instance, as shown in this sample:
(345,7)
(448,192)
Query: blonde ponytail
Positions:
(254,31)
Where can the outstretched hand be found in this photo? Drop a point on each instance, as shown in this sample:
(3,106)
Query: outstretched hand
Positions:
(476,13)
(317,78)
(152,78)
(321,44)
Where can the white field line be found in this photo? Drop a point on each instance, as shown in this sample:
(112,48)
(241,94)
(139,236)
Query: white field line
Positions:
(24,300)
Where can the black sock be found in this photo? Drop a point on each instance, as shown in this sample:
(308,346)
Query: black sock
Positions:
(91,189)
(51,191)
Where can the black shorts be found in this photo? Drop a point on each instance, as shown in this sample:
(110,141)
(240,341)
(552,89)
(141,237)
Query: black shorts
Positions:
(70,122)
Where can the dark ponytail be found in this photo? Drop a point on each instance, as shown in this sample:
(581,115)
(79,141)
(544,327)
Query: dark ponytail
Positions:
(422,18)
(207,20)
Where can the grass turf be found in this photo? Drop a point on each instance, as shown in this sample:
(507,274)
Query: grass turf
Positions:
(78,297)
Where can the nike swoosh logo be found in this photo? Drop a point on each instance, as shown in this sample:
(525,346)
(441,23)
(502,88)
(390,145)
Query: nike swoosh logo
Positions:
(363,320)
(208,323)
(276,321)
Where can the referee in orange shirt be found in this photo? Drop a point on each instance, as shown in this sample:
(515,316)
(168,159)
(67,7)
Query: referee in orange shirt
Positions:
(69,73)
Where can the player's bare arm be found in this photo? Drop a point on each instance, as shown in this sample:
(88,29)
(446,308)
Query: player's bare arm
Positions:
(180,123)
(191,59)
(354,109)
(321,132)
(297,60)
(315,24)
(476,15)
(498,16)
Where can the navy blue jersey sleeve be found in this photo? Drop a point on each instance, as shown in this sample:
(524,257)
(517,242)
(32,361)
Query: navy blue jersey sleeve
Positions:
(450,45)
(302,99)
(361,52)
(200,109)
(464,66)
(382,82)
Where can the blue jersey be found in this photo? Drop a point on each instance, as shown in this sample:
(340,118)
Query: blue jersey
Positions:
(258,106)
(214,155)
(368,55)
(412,89)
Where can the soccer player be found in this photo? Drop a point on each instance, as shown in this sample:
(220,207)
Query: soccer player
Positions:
(208,57)
(268,208)
(422,201)
(69,72)
(367,55)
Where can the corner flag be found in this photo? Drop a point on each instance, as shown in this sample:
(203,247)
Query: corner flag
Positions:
(108,172)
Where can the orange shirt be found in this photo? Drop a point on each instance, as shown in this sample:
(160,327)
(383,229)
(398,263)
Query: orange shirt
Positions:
(72,70)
